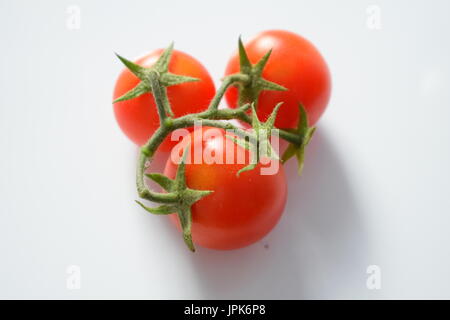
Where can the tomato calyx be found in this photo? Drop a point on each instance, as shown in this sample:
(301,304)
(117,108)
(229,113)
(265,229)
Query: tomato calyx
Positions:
(305,133)
(259,143)
(161,67)
(249,90)
(185,198)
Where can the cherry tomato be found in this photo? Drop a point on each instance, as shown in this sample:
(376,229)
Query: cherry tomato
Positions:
(295,64)
(242,209)
(138,118)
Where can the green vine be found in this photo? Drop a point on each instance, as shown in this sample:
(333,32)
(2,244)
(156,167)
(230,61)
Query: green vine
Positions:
(178,197)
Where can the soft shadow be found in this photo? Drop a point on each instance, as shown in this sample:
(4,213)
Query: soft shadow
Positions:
(318,250)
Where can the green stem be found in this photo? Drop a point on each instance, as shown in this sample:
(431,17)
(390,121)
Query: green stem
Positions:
(227,81)
(145,157)
(144,192)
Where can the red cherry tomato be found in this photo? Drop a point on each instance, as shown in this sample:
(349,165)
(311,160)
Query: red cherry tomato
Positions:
(138,118)
(242,209)
(295,64)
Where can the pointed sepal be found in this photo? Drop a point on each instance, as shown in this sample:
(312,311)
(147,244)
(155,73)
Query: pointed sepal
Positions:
(243,143)
(160,210)
(249,167)
(136,69)
(185,217)
(244,63)
(165,182)
(269,85)
(169,79)
(162,64)
(305,134)
(260,65)
(137,91)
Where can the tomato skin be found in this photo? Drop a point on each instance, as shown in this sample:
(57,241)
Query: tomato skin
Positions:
(138,117)
(241,210)
(295,64)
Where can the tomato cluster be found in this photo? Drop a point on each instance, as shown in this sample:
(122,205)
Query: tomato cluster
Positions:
(243,206)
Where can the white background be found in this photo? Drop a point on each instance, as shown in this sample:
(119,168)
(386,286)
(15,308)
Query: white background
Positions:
(375,190)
